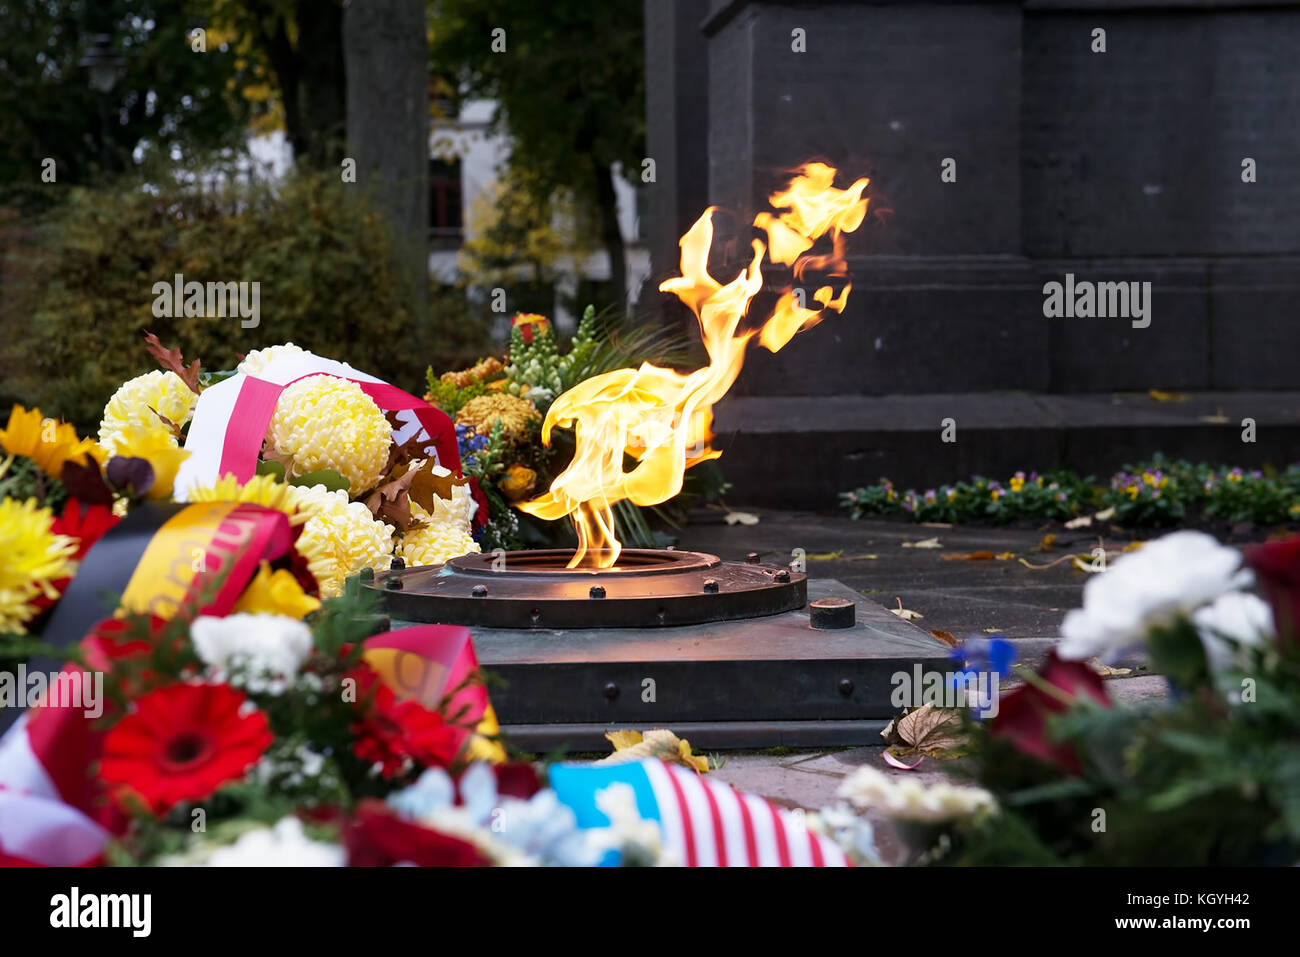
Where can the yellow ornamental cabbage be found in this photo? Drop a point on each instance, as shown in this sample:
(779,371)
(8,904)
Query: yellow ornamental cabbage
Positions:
(324,422)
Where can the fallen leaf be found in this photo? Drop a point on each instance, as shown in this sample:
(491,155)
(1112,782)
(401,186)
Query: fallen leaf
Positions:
(1105,515)
(1217,419)
(928,728)
(967,556)
(1132,547)
(1106,671)
(992,631)
(947,637)
(1160,396)
(1005,556)
(861,558)
(1083,521)
(935,524)
(741,518)
(924,543)
(894,762)
(659,743)
(824,556)
(904,613)
(1047,543)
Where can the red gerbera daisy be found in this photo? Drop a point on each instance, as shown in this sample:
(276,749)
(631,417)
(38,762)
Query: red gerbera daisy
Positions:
(182,742)
(398,734)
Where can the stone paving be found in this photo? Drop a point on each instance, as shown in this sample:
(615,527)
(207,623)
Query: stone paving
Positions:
(962,597)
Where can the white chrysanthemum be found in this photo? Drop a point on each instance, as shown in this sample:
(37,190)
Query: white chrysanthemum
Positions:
(1235,623)
(261,653)
(909,799)
(638,841)
(144,402)
(1152,587)
(324,422)
(257,360)
(285,845)
(340,538)
(507,830)
(446,534)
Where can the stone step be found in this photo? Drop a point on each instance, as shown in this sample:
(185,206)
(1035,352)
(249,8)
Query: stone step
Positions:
(802,451)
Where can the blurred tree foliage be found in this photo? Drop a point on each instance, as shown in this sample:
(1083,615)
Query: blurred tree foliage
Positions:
(569,86)
(83,291)
(170,100)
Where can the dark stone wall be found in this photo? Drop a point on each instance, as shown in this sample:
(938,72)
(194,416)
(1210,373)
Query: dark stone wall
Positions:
(1117,166)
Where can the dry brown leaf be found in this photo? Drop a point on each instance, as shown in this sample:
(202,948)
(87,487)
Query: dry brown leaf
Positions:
(980,556)
(947,637)
(173,361)
(928,728)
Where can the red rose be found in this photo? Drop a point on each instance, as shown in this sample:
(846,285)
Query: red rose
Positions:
(182,742)
(1277,569)
(515,779)
(1022,714)
(398,734)
(377,837)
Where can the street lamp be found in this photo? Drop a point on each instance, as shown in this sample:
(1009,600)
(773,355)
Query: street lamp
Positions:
(104,66)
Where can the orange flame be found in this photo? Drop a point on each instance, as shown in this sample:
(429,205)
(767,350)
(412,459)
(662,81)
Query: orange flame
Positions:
(663,419)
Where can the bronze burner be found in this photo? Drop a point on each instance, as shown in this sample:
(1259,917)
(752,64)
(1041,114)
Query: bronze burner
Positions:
(647,588)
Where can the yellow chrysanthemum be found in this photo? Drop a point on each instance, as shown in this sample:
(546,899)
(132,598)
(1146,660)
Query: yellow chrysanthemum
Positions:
(32,556)
(47,442)
(275,593)
(445,535)
(159,447)
(324,422)
(145,401)
(341,538)
(259,490)
(516,414)
(257,360)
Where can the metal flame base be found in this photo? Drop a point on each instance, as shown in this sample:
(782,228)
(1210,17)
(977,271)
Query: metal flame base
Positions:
(757,663)
(647,588)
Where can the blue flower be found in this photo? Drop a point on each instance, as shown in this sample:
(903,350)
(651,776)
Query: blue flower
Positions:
(976,654)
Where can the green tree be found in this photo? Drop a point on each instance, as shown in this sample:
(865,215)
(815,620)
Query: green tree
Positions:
(568,78)
(170,99)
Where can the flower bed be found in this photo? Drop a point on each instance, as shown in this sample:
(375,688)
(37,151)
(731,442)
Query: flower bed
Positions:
(1153,494)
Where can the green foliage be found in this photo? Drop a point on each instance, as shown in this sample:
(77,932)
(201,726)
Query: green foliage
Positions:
(324,261)
(1153,494)
(169,99)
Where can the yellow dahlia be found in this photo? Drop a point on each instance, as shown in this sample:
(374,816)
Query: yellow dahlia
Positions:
(341,538)
(145,401)
(158,446)
(256,361)
(323,422)
(259,490)
(516,414)
(32,556)
(275,593)
(47,442)
(517,483)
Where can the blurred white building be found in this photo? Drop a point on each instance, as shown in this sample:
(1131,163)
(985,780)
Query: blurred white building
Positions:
(465,157)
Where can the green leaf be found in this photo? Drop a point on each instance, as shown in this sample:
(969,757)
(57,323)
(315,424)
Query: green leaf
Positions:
(271,468)
(331,479)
